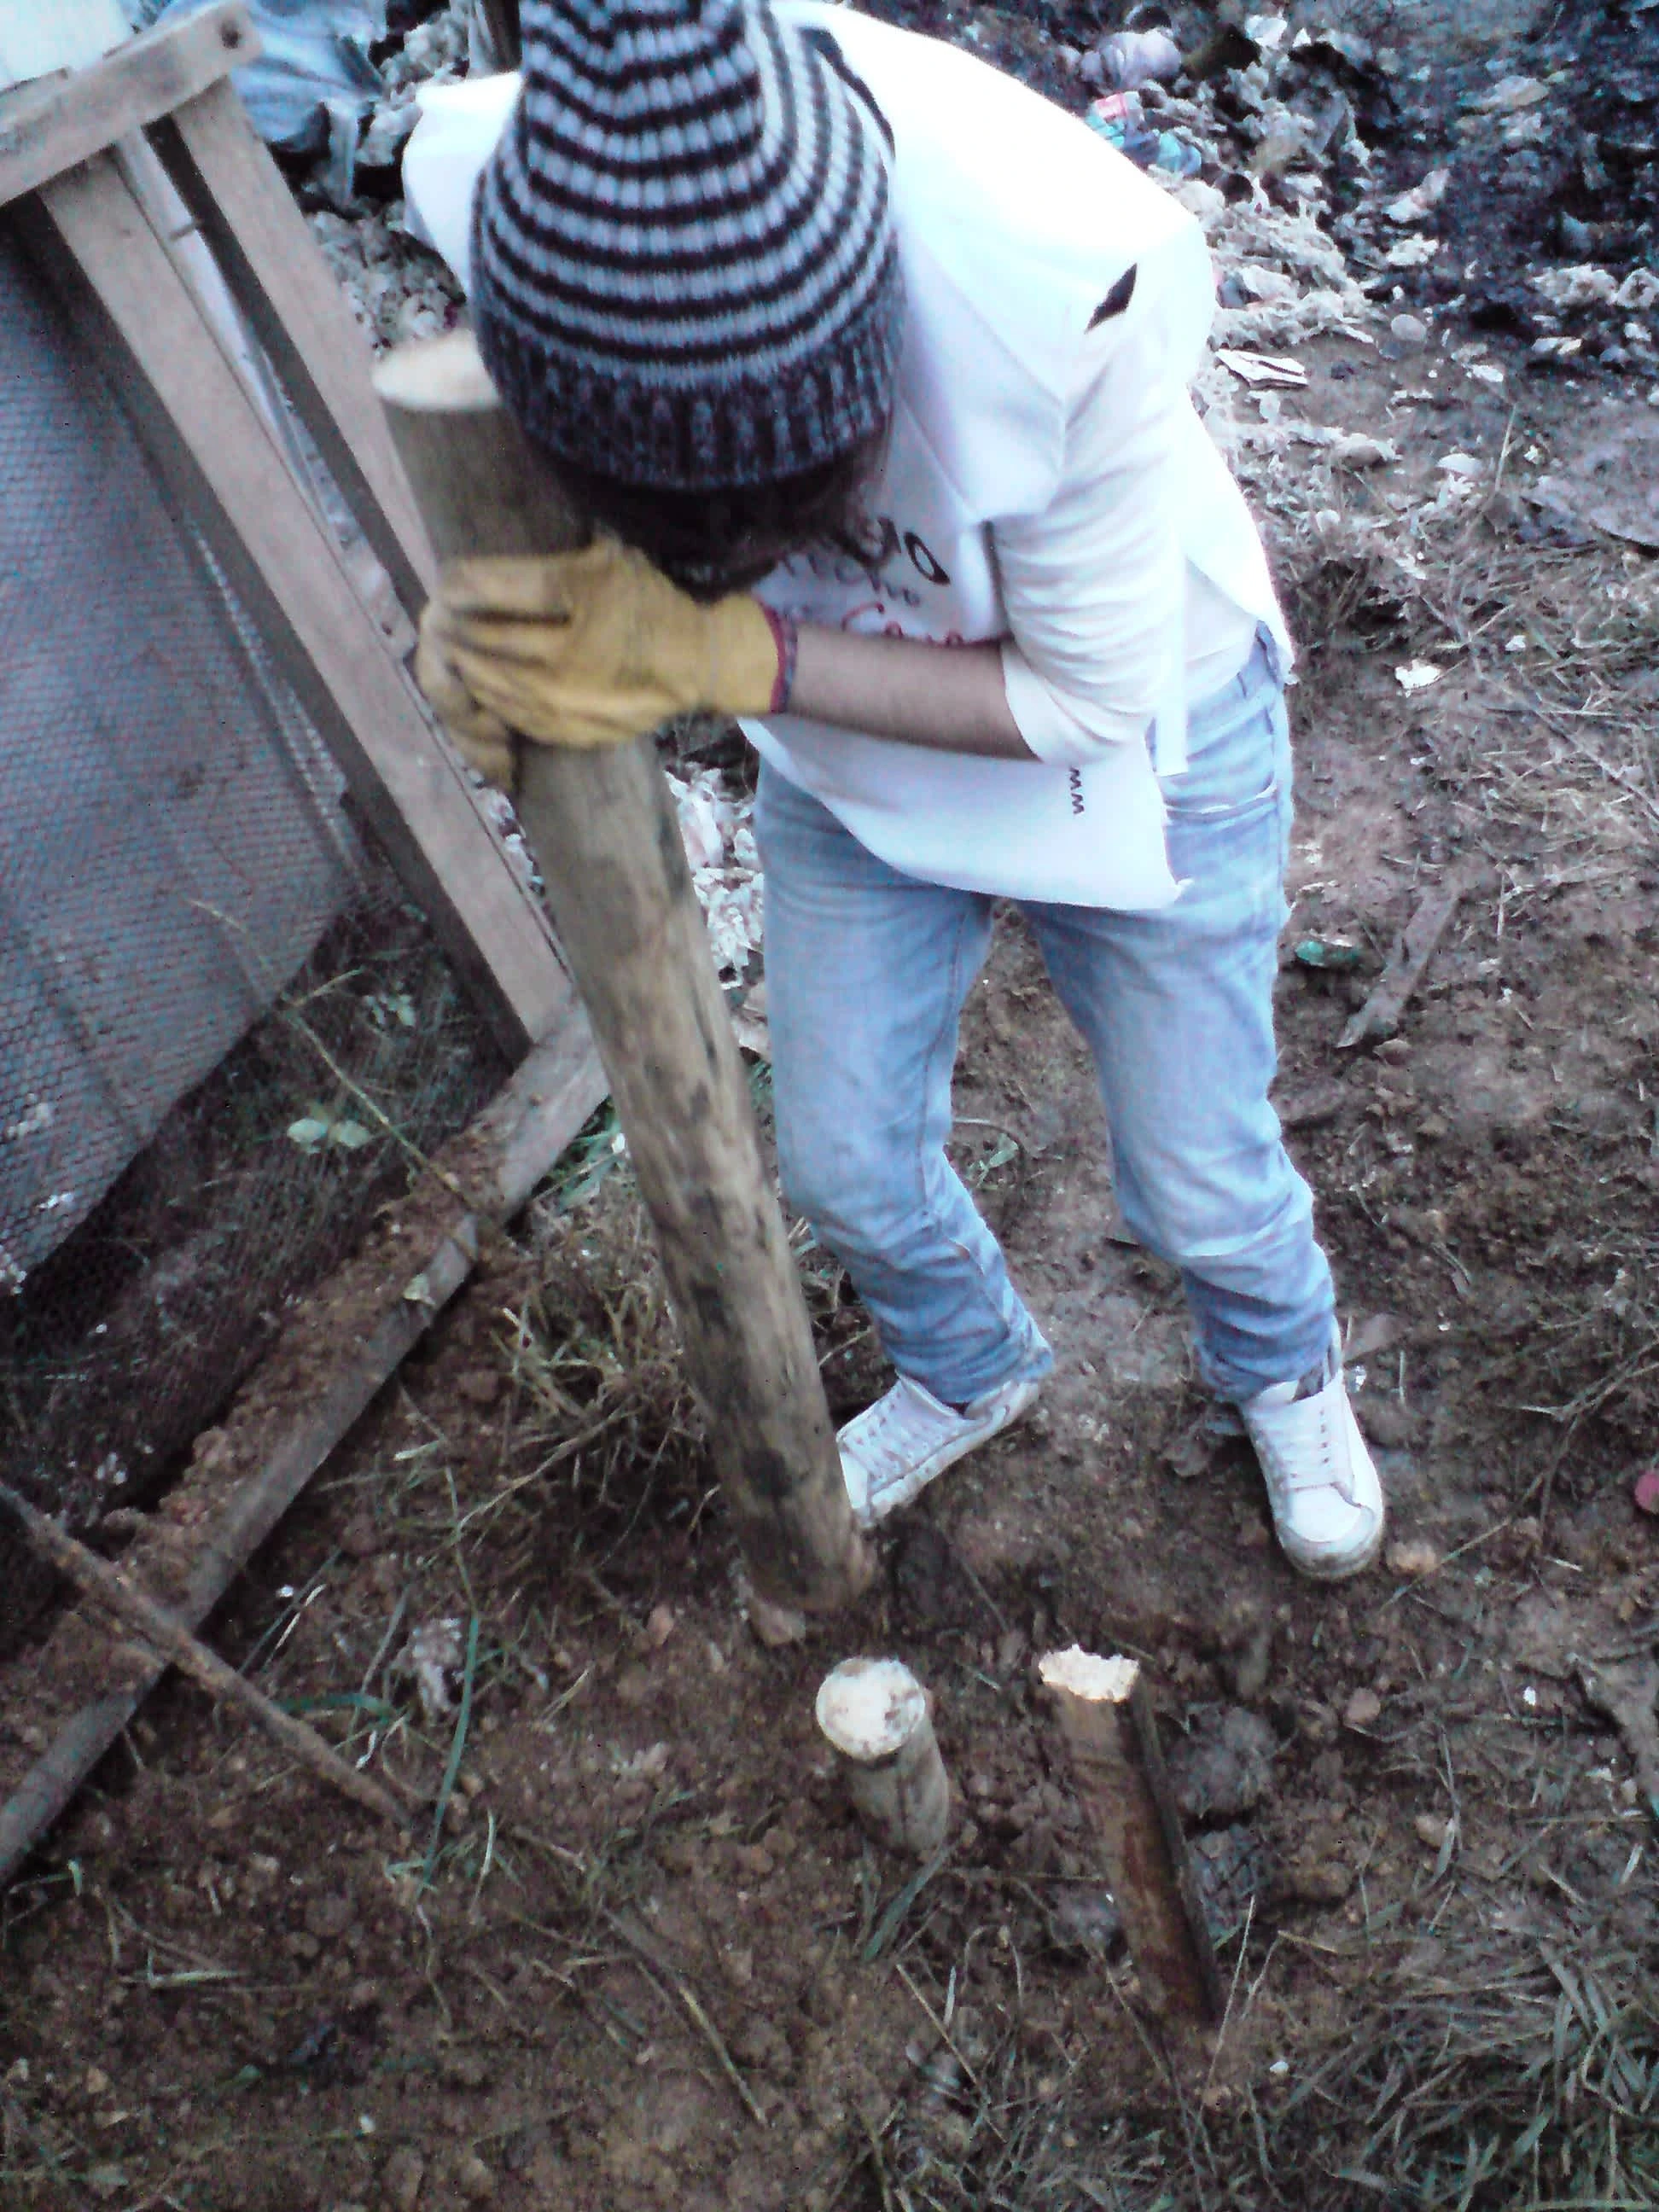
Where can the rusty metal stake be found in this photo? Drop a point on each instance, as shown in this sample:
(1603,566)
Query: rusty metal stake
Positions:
(1107,1719)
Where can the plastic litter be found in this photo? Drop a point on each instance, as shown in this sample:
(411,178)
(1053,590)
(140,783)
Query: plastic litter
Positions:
(1418,204)
(313,84)
(1263,368)
(1130,58)
(1121,120)
(1332,954)
(1510,95)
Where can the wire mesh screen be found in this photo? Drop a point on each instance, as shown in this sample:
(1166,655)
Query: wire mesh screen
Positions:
(222,1028)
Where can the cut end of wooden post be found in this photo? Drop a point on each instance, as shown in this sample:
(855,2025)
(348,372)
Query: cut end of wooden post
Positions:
(438,376)
(870,1708)
(1084,1674)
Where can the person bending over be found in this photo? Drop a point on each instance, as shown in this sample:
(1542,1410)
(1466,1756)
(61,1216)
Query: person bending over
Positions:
(873,367)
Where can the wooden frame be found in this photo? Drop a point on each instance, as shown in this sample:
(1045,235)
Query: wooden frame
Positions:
(68,154)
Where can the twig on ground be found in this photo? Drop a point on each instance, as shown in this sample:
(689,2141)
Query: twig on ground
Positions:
(651,1952)
(167,1636)
(457,1751)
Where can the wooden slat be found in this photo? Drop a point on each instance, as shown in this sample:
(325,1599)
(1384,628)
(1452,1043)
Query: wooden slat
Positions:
(47,128)
(295,309)
(218,1515)
(225,473)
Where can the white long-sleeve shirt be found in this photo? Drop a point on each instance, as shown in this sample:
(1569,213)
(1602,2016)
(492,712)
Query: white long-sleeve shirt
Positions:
(1101,598)
(1048,483)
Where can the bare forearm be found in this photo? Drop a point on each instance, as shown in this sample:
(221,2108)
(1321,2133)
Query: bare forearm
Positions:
(949,697)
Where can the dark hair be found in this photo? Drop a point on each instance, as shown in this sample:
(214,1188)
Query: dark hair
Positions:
(714,542)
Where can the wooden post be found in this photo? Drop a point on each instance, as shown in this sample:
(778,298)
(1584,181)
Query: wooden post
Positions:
(1107,1720)
(602,828)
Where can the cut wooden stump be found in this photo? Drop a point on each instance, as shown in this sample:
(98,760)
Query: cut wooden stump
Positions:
(602,828)
(876,1716)
(1106,1717)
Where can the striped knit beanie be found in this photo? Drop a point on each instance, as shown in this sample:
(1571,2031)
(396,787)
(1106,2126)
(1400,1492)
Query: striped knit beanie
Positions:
(685,274)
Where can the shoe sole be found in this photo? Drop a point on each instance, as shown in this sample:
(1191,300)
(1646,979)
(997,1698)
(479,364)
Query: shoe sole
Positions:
(907,1492)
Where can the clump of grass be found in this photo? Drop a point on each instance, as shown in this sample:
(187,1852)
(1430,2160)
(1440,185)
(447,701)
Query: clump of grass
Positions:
(1523,2073)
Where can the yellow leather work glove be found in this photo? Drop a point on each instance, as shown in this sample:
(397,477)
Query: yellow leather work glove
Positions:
(585,649)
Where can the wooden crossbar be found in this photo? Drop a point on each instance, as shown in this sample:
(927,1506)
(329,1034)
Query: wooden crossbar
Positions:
(47,127)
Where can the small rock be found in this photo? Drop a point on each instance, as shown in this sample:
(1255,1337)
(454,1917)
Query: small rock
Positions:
(759,2043)
(1409,332)
(1085,1919)
(1385,1421)
(775,1626)
(360,1539)
(400,2182)
(1246,1637)
(1646,1490)
(1432,1830)
(1363,1710)
(678,1854)
(474,2178)
(659,1626)
(1313,1881)
(1225,1767)
(1415,1558)
(328,1918)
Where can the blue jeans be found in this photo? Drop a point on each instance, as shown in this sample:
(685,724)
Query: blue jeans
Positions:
(867,970)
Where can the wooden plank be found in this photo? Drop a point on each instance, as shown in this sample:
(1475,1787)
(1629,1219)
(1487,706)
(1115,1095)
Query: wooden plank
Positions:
(217,1522)
(297,311)
(46,129)
(169,216)
(210,441)
(1419,941)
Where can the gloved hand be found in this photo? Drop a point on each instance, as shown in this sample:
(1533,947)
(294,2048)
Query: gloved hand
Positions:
(585,649)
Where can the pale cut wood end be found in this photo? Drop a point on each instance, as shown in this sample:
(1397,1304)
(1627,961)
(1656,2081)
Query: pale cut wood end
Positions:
(1084,1674)
(438,376)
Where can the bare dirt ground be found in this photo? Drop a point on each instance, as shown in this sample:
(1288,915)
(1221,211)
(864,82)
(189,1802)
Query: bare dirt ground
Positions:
(647,1959)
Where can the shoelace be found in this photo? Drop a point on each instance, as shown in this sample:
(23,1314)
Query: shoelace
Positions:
(1327,1476)
(885,1459)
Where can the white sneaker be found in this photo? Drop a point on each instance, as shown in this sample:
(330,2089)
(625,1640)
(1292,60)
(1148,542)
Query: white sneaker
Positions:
(1327,1501)
(893,1450)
